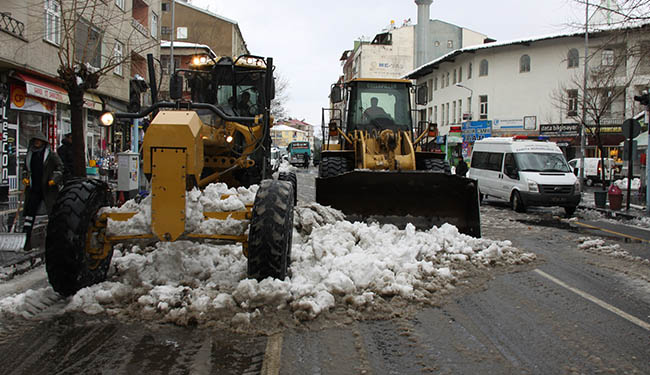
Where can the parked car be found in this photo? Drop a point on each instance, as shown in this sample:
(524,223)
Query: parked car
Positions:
(593,169)
(524,172)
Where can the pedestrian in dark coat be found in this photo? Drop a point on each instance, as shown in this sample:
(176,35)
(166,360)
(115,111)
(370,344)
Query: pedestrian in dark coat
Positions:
(43,175)
(66,154)
(461,168)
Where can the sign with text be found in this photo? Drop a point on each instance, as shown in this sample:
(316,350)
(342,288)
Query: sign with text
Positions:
(475,130)
(559,129)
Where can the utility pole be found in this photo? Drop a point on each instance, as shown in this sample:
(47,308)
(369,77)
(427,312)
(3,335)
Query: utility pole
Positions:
(583,134)
(171,46)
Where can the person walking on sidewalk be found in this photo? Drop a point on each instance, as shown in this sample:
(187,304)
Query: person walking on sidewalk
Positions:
(66,154)
(42,177)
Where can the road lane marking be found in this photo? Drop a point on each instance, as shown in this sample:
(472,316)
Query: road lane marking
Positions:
(597,301)
(272,355)
(611,231)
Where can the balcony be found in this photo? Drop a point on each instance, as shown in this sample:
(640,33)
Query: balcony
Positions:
(140,27)
(12,26)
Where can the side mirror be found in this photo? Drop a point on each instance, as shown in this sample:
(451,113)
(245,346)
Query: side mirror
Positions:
(176,87)
(336,95)
(421,95)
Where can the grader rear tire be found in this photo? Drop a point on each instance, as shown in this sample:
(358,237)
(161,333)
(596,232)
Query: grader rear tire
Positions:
(271,230)
(68,264)
(290,177)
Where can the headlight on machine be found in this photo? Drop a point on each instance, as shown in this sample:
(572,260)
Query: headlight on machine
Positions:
(533,187)
(576,186)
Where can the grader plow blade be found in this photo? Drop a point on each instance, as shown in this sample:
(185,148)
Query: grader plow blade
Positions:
(437,197)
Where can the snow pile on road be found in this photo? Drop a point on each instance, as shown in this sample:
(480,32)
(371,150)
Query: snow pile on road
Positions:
(334,263)
(622,184)
(641,222)
(601,247)
(214,198)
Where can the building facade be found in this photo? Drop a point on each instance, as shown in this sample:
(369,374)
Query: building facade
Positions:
(533,86)
(285,132)
(34,41)
(197,25)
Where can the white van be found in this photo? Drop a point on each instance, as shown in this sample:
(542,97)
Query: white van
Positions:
(524,172)
(593,168)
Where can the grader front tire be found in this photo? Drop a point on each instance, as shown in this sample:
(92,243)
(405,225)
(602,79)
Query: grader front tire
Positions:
(271,230)
(69,264)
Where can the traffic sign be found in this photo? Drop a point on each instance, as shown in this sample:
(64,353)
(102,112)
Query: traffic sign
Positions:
(631,128)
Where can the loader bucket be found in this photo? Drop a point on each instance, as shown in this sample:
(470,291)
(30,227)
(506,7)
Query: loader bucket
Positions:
(440,198)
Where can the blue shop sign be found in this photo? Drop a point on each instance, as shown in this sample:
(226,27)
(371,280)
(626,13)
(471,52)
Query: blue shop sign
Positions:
(475,130)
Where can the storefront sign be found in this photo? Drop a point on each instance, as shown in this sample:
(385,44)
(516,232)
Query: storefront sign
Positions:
(4,143)
(508,124)
(21,102)
(475,130)
(559,129)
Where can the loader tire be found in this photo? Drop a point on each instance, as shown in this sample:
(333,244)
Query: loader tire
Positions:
(437,165)
(271,229)
(290,177)
(68,263)
(333,166)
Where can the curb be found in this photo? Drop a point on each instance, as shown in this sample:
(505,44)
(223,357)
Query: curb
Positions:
(614,214)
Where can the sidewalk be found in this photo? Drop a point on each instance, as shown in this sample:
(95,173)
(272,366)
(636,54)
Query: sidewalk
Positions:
(617,226)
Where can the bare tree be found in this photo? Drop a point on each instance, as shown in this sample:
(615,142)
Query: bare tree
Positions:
(622,12)
(278,104)
(615,65)
(88,29)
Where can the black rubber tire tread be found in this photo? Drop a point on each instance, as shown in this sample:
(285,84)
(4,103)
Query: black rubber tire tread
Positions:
(271,231)
(290,177)
(517,203)
(437,165)
(66,260)
(333,166)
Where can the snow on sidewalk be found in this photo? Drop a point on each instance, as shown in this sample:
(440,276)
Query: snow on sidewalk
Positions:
(333,263)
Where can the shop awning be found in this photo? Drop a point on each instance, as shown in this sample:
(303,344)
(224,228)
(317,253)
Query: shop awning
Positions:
(42,89)
(92,101)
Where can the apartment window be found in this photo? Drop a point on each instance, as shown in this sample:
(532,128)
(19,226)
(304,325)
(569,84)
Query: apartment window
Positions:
(460,74)
(447,114)
(453,114)
(483,68)
(429,114)
(450,44)
(164,7)
(436,43)
(524,64)
(53,21)
(455,77)
(469,105)
(606,100)
(460,110)
(164,30)
(120,4)
(154,25)
(483,107)
(435,113)
(573,58)
(181,33)
(118,56)
(447,80)
(435,83)
(469,71)
(607,57)
(88,44)
(430,89)
(573,102)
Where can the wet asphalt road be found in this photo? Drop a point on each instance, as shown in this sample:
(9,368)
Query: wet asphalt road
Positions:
(572,312)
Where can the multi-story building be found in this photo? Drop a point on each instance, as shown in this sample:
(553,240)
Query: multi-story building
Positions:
(36,35)
(282,135)
(391,53)
(197,25)
(306,128)
(534,86)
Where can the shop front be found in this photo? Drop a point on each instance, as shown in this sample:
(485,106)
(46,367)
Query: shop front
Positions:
(473,131)
(565,135)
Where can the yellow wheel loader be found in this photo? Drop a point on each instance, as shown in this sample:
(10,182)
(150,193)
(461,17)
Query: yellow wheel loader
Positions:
(374,165)
(187,144)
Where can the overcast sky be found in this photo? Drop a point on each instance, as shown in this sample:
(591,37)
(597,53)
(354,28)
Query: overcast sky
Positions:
(307,38)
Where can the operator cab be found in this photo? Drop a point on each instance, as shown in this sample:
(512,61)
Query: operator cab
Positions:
(379,105)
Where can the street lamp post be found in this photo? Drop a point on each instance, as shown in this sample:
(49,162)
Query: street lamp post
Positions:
(471,94)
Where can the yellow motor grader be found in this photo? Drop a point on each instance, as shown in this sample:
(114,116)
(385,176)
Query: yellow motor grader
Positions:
(188,144)
(374,165)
